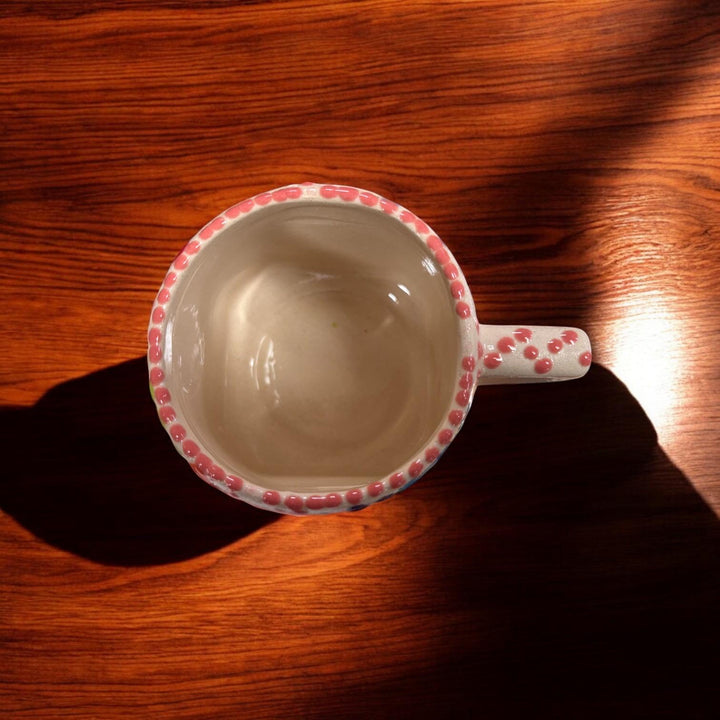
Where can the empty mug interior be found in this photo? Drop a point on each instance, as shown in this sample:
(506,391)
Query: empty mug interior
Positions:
(313,346)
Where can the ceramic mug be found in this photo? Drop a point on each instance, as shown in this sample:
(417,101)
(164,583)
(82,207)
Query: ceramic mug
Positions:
(315,349)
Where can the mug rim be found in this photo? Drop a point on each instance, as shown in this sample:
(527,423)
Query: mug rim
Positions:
(289,501)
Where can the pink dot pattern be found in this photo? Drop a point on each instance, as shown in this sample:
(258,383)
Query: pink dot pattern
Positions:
(295,503)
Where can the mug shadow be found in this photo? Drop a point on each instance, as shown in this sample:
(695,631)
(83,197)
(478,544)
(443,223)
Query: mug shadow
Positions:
(581,568)
(91,472)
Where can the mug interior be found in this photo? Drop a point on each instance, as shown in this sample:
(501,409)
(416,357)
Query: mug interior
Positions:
(313,346)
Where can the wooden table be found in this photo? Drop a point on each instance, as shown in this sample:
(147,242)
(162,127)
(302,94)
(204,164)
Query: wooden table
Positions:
(563,560)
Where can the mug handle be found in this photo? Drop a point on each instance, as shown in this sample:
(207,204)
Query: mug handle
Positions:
(531,353)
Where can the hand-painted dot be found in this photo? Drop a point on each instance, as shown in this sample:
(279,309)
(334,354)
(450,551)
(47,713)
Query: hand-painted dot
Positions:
(492,360)
(280,195)
(531,352)
(368,198)
(163,296)
(522,334)
(442,256)
(162,395)
(192,247)
(348,193)
(315,502)
(328,191)
(506,345)
(431,455)
(463,398)
(333,499)
(463,310)
(211,228)
(570,337)
(544,365)
(445,436)
(154,336)
(415,469)
(156,376)
(234,482)
(468,363)
(354,496)
(177,433)
(271,497)
(466,381)
(170,279)
(451,271)
(181,262)
(555,346)
(375,489)
(294,192)
(190,448)
(421,227)
(263,198)
(397,480)
(434,243)
(388,206)
(240,208)
(585,359)
(457,289)
(155,353)
(407,217)
(295,503)
(167,414)
(158,315)
(456,417)
(216,472)
(203,463)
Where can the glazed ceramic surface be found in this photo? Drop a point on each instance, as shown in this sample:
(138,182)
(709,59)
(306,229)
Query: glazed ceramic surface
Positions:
(315,349)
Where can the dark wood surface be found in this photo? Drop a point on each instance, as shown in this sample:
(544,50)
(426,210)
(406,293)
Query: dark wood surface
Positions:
(563,560)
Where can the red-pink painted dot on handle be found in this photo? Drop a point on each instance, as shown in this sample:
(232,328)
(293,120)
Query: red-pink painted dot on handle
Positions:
(315,502)
(570,337)
(234,482)
(192,247)
(544,365)
(463,310)
(415,469)
(158,315)
(162,395)
(456,417)
(463,398)
(156,376)
(368,198)
(555,346)
(203,463)
(154,336)
(295,503)
(492,360)
(445,436)
(468,363)
(181,262)
(585,359)
(271,497)
(522,334)
(216,472)
(333,499)
(457,289)
(451,271)
(177,433)
(170,279)
(190,448)
(466,381)
(167,414)
(531,352)
(396,480)
(506,345)
(354,497)
(163,296)
(375,489)
(431,455)
(155,353)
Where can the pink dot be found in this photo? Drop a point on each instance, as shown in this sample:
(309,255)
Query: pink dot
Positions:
(216,472)
(506,345)
(348,193)
(190,448)
(181,262)
(463,398)
(234,482)
(177,433)
(368,198)
(456,417)
(354,497)
(315,502)
(569,337)
(328,191)
(156,376)
(280,195)
(441,255)
(295,503)
(333,499)
(531,352)
(463,309)
(457,289)
(466,381)
(158,315)
(492,360)
(263,198)
(375,489)
(170,279)
(585,359)
(154,336)
(211,228)
(240,208)
(544,365)
(203,463)
(155,353)
(468,363)
(522,334)
(162,395)
(407,217)
(421,227)
(445,437)
(388,206)
(163,296)
(167,414)
(294,192)
(555,346)
(434,243)
(271,497)
(397,480)
(192,247)
(415,469)
(431,455)
(451,271)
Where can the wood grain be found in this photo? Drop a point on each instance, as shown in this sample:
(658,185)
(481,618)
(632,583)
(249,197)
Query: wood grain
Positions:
(563,558)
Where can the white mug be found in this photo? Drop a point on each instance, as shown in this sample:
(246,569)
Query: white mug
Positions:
(315,349)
